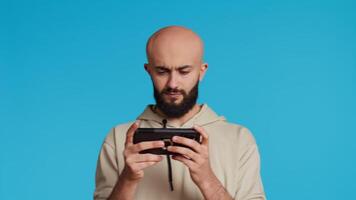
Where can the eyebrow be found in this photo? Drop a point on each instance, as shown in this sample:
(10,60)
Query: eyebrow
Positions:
(178,68)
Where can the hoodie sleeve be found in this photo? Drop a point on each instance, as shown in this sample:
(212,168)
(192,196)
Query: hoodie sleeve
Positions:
(106,170)
(249,180)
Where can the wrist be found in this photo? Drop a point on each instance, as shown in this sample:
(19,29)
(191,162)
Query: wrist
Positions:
(130,175)
(209,185)
(124,189)
(212,189)
(126,179)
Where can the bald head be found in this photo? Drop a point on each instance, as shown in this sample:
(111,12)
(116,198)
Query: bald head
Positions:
(174,45)
(175,65)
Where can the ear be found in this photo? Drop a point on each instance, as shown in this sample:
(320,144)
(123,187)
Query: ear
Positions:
(202,70)
(147,68)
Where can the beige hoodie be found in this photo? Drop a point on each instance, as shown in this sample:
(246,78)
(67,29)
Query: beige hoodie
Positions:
(233,155)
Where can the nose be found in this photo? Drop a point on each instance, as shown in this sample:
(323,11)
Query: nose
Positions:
(173,81)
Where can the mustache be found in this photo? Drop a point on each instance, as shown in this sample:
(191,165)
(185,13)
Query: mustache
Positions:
(173,90)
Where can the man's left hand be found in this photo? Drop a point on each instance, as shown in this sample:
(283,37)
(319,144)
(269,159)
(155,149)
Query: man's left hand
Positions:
(196,157)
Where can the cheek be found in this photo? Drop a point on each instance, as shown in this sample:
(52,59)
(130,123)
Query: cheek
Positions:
(159,84)
(190,83)
(187,88)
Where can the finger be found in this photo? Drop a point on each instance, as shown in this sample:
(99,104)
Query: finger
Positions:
(189,163)
(138,158)
(183,151)
(131,131)
(187,142)
(147,145)
(205,137)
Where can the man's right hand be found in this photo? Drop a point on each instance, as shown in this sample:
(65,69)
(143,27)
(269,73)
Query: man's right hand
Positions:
(136,162)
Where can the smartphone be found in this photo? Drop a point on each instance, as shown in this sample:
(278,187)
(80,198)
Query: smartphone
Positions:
(164,134)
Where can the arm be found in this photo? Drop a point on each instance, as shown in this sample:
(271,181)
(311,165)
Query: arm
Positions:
(249,180)
(197,160)
(113,187)
(212,189)
(124,189)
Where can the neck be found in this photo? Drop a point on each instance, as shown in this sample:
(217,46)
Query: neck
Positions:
(181,120)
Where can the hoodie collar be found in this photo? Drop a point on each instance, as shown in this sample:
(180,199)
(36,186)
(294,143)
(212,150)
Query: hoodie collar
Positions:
(205,116)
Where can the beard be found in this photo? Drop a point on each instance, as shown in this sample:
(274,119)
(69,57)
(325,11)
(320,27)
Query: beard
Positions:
(173,110)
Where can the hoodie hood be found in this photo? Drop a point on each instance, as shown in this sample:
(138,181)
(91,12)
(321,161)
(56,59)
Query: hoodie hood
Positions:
(205,116)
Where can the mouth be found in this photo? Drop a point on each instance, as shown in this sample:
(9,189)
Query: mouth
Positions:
(173,95)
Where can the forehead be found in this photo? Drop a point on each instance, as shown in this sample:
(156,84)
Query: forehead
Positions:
(175,49)
(175,55)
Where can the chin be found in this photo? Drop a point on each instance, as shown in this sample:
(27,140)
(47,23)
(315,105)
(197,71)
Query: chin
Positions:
(175,102)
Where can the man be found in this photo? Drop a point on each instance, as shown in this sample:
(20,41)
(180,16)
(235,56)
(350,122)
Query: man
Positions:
(225,165)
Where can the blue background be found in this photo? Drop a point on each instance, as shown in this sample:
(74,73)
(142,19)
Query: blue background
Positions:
(71,70)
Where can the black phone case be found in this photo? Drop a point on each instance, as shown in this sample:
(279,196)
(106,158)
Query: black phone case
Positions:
(164,134)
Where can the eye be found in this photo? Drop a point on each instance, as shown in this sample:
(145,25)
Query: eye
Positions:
(185,72)
(161,71)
